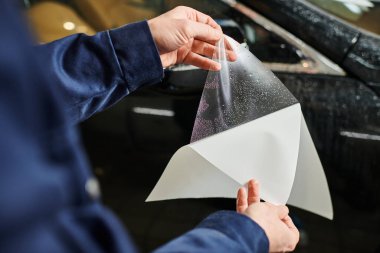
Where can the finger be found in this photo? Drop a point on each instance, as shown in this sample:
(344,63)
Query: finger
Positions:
(295,235)
(201,62)
(289,222)
(227,44)
(206,49)
(191,14)
(205,19)
(282,211)
(231,54)
(253,192)
(241,201)
(203,48)
(203,32)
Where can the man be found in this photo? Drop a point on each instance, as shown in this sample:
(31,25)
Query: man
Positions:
(49,200)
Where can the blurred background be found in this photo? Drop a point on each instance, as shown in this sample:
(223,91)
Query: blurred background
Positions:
(327,52)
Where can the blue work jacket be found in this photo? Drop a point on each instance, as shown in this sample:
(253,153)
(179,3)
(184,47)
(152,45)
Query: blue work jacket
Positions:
(49,201)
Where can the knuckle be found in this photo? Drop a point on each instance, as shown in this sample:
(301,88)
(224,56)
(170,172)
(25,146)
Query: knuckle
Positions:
(188,29)
(180,7)
(213,32)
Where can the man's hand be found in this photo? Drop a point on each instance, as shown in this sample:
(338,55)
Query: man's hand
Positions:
(282,234)
(184,35)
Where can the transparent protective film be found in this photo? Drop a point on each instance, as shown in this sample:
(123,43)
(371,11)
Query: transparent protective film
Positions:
(240,92)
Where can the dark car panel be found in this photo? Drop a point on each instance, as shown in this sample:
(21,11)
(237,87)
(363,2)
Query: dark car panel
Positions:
(321,31)
(357,51)
(343,116)
(363,60)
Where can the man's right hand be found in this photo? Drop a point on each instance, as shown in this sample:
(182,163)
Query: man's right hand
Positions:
(278,226)
(185,35)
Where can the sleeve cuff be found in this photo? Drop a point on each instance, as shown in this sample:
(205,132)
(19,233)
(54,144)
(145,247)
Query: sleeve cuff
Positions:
(137,55)
(240,228)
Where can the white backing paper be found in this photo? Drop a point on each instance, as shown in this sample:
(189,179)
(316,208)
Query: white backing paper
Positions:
(236,139)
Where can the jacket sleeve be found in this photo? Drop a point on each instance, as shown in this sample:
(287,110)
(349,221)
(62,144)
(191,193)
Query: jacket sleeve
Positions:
(222,232)
(93,72)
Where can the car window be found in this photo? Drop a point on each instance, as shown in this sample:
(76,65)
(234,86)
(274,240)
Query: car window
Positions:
(268,46)
(55,19)
(361,13)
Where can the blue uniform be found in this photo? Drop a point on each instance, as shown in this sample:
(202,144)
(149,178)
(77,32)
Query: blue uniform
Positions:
(48,198)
